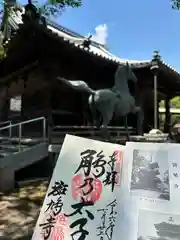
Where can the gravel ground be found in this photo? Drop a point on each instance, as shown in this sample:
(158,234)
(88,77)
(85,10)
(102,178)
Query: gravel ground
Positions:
(19,210)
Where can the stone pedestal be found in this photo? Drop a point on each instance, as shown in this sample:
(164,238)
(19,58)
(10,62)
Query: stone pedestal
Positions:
(7,178)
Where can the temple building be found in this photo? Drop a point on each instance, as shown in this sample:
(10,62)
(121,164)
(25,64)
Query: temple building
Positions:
(38,50)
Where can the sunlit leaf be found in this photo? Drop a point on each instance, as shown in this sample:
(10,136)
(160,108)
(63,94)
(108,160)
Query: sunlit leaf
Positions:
(176,4)
(56,7)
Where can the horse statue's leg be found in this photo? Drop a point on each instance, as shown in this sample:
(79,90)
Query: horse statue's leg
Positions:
(138,110)
(92,108)
(104,132)
(126,127)
(96,115)
(106,117)
(93,121)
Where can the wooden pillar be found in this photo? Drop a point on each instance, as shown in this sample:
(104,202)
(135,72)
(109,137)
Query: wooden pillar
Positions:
(5,101)
(155,102)
(140,116)
(48,97)
(167,123)
(158,122)
(49,74)
(49,112)
(155,70)
(25,79)
(50,124)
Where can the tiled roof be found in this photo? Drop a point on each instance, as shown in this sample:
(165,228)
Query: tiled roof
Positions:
(94,48)
(76,39)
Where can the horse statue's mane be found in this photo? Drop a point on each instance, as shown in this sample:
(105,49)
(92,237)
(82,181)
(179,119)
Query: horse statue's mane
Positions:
(120,75)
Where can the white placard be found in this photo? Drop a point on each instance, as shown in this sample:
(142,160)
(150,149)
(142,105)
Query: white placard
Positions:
(152,172)
(150,207)
(81,201)
(15,104)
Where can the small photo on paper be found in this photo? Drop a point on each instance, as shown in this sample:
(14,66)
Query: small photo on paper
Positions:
(158,226)
(150,174)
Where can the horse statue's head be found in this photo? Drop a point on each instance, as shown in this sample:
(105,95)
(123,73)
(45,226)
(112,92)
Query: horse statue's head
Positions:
(125,71)
(130,74)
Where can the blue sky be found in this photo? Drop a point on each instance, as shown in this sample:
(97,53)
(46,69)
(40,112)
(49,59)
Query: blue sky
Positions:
(135,27)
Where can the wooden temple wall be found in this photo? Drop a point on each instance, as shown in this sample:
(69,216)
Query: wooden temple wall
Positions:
(35,90)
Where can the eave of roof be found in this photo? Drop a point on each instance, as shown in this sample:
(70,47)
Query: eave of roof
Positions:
(98,52)
(95,48)
(76,40)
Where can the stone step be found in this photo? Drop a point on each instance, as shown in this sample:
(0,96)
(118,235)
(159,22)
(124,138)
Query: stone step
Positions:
(11,162)
(4,153)
(10,146)
(13,148)
(24,141)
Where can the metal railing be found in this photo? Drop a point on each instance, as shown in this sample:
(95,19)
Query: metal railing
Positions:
(20,124)
(9,123)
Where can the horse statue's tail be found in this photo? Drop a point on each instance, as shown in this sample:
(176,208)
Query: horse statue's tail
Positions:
(82,87)
(77,85)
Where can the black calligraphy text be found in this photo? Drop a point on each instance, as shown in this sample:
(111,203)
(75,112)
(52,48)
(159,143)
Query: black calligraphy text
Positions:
(112,174)
(107,221)
(80,222)
(54,207)
(175,174)
(92,159)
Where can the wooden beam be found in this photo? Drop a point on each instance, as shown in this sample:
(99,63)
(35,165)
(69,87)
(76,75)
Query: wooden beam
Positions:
(17,73)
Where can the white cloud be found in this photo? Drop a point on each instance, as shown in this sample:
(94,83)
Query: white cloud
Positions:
(101,34)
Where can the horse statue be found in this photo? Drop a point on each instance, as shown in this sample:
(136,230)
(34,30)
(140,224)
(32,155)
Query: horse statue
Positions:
(108,102)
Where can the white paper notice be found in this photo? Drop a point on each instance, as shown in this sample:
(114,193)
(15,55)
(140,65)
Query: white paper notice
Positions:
(81,201)
(152,171)
(150,209)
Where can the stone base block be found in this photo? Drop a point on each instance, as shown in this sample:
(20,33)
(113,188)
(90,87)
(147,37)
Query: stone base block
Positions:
(7,179)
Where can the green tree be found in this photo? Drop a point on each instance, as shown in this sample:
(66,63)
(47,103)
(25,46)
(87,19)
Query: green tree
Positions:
(50,8)
(56,7)
(176,4)
(174,103)
(2,52)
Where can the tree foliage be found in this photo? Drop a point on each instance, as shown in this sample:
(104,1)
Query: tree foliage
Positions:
(50,8)
(69,3)
(56,7)
(174,103)
(1,51)
(176,4)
